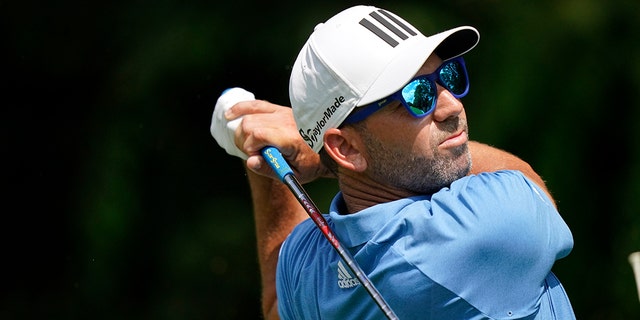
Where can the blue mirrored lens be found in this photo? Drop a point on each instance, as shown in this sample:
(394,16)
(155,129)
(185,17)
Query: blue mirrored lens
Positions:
(420,95)
(453,78)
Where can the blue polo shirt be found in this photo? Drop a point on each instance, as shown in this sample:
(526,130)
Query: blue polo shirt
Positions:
(481,249)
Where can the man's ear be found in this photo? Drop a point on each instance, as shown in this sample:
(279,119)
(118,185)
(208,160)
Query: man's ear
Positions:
(345,147)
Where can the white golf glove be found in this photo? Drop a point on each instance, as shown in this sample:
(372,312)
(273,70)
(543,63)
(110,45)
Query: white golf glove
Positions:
(223,131)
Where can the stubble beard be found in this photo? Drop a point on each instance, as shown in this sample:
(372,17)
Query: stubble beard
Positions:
(416,173)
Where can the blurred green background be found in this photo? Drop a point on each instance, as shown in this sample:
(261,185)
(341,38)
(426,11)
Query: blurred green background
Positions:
(121,206)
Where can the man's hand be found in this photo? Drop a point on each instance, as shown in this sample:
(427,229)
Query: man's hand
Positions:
(267,124)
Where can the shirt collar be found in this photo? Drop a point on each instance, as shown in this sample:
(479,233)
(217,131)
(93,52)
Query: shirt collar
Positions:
(357,228)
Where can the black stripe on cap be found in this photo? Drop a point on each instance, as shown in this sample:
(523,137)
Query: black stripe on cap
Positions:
(390,27)
(367,24)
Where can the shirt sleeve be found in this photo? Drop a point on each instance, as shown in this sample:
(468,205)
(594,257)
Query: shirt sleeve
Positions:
(500,233)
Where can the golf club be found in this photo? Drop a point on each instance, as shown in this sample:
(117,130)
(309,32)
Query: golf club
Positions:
(273,156)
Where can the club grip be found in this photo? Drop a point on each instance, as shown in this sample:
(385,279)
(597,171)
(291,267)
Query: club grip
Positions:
(276,161)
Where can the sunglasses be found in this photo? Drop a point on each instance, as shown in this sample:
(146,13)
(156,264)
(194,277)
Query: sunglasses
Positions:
(420,95)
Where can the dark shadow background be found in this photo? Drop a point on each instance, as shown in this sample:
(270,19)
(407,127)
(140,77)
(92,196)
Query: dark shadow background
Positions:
(119,204)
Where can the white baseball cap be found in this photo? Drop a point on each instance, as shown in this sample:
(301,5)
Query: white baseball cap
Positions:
(359,56)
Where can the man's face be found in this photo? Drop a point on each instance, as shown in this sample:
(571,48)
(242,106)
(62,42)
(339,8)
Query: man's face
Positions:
(419,155)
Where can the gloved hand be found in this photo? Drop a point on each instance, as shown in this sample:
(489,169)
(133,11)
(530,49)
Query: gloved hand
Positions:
(222,130)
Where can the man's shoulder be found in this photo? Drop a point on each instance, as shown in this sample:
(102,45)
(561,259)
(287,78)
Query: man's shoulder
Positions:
(492,189)
(500,177)
(499,174)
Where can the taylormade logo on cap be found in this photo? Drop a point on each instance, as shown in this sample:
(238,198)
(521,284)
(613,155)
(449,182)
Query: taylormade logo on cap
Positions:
(311,135)
(359,56)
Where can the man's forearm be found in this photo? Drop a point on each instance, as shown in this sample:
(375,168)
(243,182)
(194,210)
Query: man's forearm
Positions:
(276,213)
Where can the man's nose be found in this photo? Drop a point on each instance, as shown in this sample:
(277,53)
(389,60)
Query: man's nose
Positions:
(447,105)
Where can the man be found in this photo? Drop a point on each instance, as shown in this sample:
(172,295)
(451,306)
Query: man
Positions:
(444,227)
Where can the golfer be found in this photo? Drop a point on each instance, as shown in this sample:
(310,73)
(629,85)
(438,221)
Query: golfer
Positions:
(444,227)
